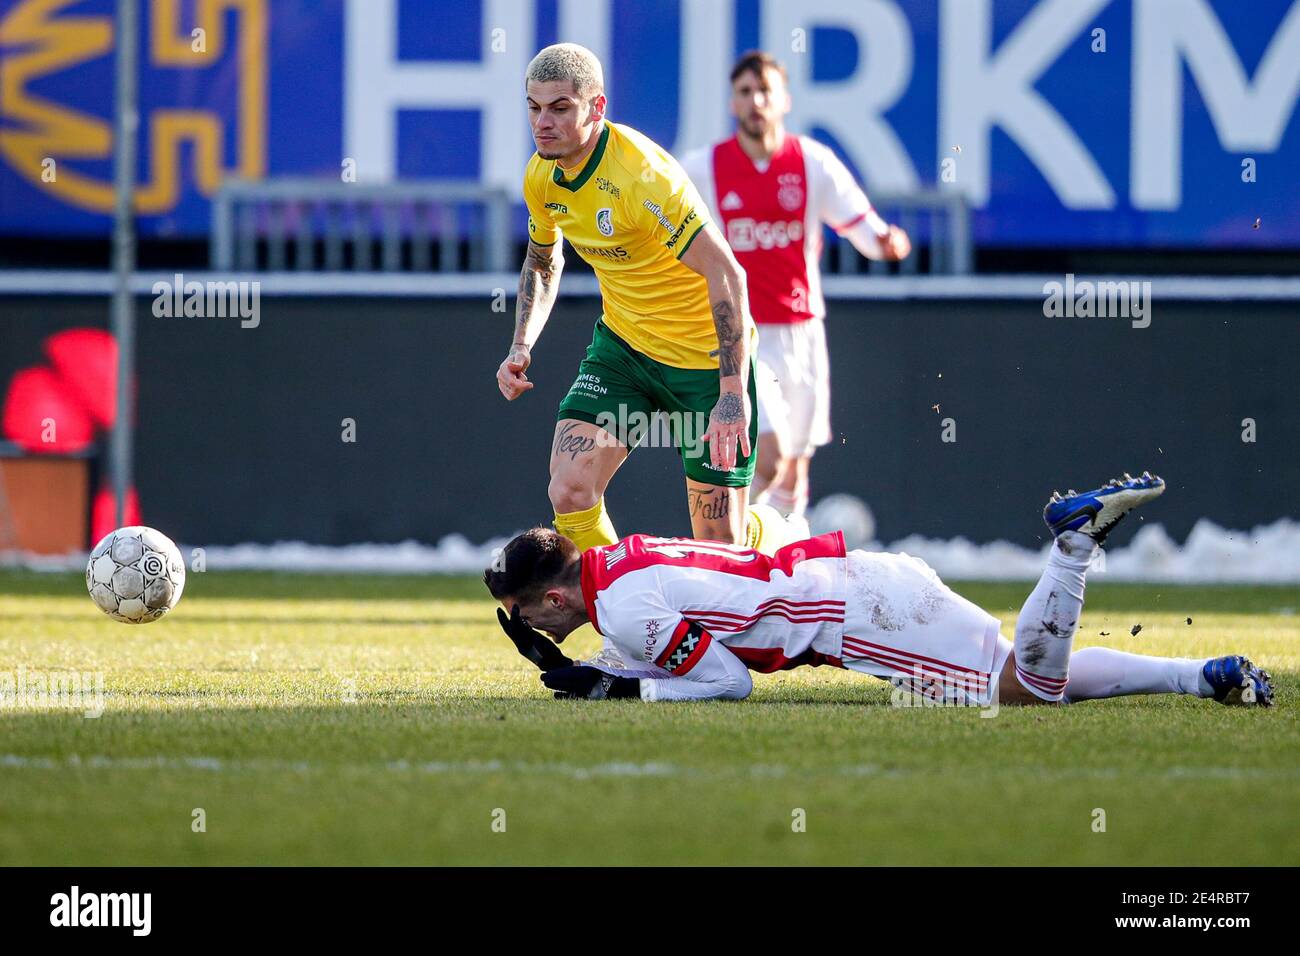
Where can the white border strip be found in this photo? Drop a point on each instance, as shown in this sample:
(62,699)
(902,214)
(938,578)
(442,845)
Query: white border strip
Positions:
(486,284)
(453,768)
(1267,554)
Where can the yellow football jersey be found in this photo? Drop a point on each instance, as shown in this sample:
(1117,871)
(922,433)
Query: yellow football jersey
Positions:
(631,212)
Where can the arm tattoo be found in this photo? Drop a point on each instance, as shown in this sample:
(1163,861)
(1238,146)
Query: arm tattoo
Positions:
(528,284)
(730,339)
(542,259)
(537,282)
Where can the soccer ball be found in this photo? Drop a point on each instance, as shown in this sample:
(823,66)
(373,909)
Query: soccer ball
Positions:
(135,575)
(847,513)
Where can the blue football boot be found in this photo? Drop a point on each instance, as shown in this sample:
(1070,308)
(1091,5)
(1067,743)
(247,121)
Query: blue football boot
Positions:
(1096,512)
(1238,682)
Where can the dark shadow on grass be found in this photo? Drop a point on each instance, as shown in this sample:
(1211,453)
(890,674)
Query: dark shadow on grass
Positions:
(818,702)
(182,615)
(268,585)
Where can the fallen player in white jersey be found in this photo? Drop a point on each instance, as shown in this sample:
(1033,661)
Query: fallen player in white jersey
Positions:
(691,618)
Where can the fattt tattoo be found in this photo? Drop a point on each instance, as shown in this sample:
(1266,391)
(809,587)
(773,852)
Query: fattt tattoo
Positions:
(709,505)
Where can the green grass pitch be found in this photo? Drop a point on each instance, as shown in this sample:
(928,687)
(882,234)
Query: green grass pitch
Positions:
(332,720)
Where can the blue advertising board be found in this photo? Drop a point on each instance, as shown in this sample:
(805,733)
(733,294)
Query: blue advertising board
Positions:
(1142,123)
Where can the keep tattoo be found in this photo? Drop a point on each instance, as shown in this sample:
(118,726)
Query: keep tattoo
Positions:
(572,445)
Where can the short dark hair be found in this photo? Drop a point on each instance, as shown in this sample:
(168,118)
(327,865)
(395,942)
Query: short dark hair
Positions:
(532,563)
(756,61)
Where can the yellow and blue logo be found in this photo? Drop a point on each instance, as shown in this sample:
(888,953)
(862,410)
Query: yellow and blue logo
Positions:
(41,38)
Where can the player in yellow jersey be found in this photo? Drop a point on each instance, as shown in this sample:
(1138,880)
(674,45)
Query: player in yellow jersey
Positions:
(675,335)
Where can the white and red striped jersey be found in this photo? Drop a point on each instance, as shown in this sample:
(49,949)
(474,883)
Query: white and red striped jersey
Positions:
(663,602)
(772,215)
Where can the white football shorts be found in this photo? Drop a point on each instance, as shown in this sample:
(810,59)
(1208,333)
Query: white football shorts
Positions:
(903,624)
(794,385)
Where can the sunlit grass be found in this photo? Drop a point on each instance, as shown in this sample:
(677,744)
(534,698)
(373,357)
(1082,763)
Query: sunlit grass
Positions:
(325,719)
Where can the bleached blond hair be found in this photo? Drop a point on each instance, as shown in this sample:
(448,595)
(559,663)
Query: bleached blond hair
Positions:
(569,62)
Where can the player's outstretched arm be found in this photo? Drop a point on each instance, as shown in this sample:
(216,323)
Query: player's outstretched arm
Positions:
(711,257)
(539,282)
(718,674)
(845,208)
(879,240)
(581,682)
(871,235)
(696,667)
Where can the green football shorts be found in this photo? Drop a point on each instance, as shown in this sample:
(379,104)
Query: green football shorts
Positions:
(621,390)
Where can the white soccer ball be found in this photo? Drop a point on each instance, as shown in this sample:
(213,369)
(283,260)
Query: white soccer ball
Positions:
(135,575)
(846,513)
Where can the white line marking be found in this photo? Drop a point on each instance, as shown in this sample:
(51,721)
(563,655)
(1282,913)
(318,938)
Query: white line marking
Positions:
(616,769)
(458,285)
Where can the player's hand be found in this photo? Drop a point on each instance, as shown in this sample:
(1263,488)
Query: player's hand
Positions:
(589,683)
(895,244)
(510,375)
(728,429)
(532,644)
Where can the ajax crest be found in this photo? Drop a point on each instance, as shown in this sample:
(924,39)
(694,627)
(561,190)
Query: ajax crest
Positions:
(790,191)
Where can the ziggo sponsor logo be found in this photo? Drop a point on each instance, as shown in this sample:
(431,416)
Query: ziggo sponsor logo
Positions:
(746,235)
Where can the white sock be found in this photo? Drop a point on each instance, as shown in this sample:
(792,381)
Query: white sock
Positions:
(1097,672)
(1048,620)
(790,505)
(780,499)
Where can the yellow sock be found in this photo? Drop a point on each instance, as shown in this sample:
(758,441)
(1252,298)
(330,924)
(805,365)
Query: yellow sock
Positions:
(764,529)
(587,529)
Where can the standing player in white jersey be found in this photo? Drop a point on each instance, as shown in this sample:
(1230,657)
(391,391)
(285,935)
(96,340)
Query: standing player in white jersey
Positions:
(690,618)
(771,191)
